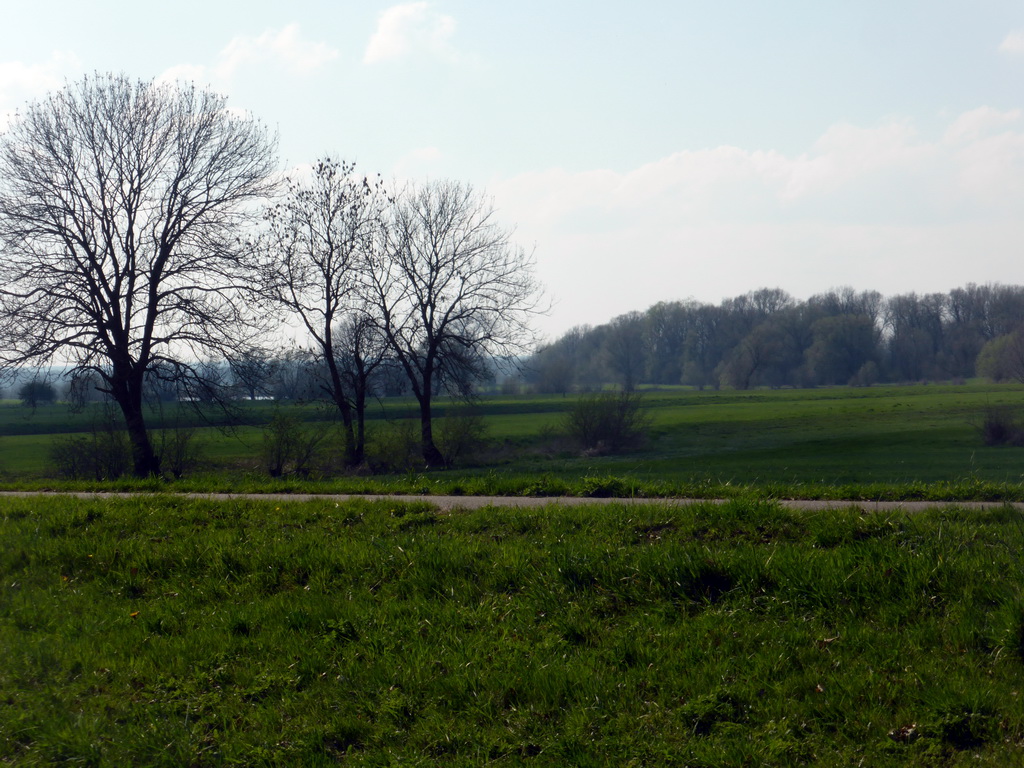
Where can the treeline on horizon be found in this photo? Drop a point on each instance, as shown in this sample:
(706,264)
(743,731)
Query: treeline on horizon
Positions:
(766,338)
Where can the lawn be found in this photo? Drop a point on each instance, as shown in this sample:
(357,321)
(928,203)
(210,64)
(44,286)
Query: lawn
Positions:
(163,631)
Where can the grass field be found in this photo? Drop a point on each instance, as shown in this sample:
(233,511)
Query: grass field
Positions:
(878,442)
(161,631)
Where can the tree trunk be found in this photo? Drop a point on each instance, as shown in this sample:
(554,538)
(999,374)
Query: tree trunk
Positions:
(145,460)
(431,455)
(337,393)
(126,389)
(359,454)
(346,425)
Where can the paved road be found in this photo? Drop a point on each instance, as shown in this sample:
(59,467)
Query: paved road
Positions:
(478,502)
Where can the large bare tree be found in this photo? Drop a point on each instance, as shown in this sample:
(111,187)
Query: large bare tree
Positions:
(121,210)
(453,290)
(320,241)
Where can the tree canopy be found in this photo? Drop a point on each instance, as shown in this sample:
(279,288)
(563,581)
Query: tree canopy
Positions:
(121,208)
(452,289)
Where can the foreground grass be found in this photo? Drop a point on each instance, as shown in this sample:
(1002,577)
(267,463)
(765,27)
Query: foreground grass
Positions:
(162,631)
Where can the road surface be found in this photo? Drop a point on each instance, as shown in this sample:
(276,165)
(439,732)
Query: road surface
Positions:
(479,502)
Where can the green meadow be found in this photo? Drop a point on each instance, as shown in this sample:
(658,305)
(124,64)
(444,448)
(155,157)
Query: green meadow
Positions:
(919,441)
(162,631)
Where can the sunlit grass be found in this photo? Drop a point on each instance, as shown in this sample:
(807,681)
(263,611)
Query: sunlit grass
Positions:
(162,631)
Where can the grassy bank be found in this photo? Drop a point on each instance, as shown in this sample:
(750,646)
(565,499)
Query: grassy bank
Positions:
(161,631)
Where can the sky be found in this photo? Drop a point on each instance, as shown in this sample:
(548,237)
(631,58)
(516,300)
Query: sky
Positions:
(658,150)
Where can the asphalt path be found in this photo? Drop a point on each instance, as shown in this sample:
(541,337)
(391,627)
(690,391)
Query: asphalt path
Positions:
(480,502)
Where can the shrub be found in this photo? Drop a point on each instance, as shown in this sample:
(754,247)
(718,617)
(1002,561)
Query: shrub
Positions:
(460,433)
(866,376)
(34,392)
(289,446)
(1000,426)
(105,453)
(606,422)
(179,452)
(394,447)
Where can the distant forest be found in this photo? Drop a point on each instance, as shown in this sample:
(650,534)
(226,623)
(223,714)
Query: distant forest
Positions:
(766,338)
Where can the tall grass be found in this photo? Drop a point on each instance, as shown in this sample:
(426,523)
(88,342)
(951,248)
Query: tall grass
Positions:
(163,631)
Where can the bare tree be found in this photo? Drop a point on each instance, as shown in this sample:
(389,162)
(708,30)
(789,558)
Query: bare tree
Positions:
(252,374)
(361,351)
(452,290)
(320,239)
(121,205)
(295,376)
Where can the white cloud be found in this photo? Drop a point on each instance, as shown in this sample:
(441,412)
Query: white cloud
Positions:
(978,122)
(1013,43)
(882,208)
(847,153)
(989,172)
(285,47)
(418,163)
(411,28)
(17,76)
(21,82)
(186,73)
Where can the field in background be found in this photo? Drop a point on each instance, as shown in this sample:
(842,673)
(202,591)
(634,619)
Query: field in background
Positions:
(828,437)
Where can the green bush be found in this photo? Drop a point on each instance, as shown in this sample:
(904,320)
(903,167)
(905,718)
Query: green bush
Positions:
(460,433)
(394,447)
(179,451)
(291,447)
(607,422)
